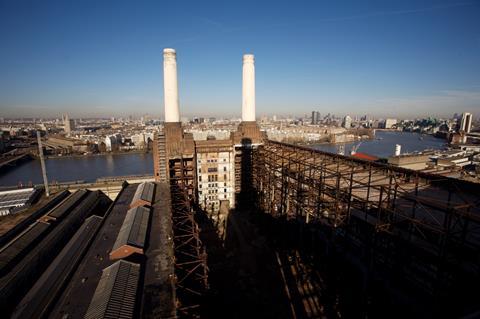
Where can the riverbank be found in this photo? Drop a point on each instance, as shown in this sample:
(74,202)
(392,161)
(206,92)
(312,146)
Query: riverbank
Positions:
(98,154)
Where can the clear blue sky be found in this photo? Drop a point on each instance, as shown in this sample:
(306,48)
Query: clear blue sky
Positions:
(103,58)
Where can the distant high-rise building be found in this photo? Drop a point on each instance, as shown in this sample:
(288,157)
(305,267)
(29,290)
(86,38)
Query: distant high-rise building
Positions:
(68,124)
(315,117)
(347,122)
(466,123)
(389,123)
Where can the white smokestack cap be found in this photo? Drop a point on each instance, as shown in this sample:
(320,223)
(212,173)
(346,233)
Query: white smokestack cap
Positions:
(248,88)
(170,86)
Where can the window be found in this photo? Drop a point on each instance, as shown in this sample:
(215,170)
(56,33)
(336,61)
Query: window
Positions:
(212,169)
(224,184)
(224,168)
(225,196)
(224,190)
(200,178)
(200,192)
(224,177)
(216,178)
(199,170)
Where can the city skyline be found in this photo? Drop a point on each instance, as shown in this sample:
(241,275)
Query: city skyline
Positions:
(405,60)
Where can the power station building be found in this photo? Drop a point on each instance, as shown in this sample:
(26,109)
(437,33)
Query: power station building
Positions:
(211,170)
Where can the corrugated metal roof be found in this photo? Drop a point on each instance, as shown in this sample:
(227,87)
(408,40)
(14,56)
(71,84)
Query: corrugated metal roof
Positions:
(28,221)
(144,192)
(20,246)
(116,292)
(22,276)
(17,197)
(134,228)
(47,289)
(67,205)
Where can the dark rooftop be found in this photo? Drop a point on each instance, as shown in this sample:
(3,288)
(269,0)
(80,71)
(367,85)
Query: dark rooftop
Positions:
(116,292)
(48,287)
(67,205)
(143,194)
(134,228)
(17,248)
(78,293)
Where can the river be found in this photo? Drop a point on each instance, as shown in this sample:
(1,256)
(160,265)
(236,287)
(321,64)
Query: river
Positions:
(89,168)
(384,144)
(86,168)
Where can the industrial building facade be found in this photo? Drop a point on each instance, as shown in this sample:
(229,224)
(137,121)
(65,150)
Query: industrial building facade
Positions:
(214,166)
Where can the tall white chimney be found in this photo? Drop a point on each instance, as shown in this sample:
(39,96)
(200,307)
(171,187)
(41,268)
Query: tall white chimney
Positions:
(248,89)
(170,86)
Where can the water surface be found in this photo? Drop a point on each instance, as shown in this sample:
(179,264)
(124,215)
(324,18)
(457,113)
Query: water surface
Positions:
(85,168)
(384,144)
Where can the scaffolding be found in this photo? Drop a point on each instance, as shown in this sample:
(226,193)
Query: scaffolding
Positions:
(190,257)
(423,228)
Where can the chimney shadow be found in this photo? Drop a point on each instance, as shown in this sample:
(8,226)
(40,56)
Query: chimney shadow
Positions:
(244,198)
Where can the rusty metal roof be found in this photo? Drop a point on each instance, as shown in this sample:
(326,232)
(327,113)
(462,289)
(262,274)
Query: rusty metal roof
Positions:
(134,228)
(144,192)
(116,292)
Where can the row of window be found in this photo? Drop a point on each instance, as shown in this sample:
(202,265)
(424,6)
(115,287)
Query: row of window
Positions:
(214,197)
(213,191)
(212,160)
(212,169)
(213,178)
(212,185)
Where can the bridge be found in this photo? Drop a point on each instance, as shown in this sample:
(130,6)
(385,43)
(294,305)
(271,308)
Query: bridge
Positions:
(13,160)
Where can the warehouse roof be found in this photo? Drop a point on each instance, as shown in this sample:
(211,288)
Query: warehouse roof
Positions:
(17,198)
(46,290)
(21,245)
(143,195)
(116,292)
(77,294)
(66,206)
(132,235)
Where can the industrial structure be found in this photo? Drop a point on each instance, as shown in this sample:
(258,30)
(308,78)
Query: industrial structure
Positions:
(348,237)
(390,223)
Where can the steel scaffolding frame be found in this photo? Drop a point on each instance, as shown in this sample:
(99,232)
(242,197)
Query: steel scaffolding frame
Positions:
(379,207)
(190,257)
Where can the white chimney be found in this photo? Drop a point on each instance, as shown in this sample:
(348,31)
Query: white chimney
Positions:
(170,86)
(248,89)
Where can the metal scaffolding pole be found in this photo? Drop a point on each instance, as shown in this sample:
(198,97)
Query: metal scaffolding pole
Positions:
(422,228)
(42,162)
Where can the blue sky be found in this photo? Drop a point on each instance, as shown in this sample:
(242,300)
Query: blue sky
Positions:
(103,58)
